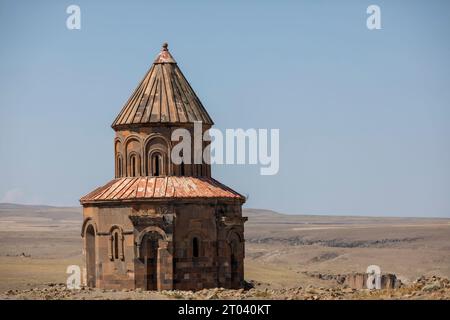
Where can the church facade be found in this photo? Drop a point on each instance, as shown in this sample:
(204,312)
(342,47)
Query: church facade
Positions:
(158,225)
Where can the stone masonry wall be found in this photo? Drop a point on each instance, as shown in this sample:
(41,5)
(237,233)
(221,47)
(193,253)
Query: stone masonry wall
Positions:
(123,232)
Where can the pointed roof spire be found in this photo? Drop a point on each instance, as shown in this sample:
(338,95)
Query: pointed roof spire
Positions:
(164,56)
(164,96)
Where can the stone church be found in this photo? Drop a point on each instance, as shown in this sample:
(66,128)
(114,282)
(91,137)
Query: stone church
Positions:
(158,225)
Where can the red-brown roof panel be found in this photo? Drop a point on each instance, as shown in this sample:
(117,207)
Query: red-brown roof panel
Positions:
(171,187)
(141,187)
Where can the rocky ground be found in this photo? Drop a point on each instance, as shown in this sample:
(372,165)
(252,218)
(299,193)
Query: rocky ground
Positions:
(422,288)
(287,256)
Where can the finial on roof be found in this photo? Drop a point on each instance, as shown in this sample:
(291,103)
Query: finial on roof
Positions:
(164,56)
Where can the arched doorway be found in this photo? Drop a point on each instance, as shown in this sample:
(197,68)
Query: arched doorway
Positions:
(236,257)
(234,263)
(90,256)
(149,254)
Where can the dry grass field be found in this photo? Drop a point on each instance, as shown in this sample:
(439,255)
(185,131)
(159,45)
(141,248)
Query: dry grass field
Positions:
(37,243)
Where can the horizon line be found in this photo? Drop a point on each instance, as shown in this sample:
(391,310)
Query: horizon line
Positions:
(262,209)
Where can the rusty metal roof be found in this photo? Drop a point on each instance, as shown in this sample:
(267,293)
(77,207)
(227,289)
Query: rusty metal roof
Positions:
(160,188)
(163,96)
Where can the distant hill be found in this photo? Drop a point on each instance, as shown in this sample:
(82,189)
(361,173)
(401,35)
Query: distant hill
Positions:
(261,213)
(21,206)
(43,211)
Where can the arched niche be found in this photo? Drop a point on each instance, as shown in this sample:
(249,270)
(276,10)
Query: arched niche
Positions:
(119,165)
(89,233)
(157,156)
(118,156)
(236,256)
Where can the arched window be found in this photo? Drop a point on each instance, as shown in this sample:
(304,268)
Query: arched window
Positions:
(182,165)
(157,164)
(119,171)
(182,169)
(116,245)
(115,250)
(133,166)
(195,247)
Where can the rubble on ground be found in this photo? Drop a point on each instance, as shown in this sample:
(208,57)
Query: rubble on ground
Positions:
(425,287)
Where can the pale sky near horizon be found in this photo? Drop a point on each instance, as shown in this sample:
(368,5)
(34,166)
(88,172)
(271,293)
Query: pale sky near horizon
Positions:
(364,116)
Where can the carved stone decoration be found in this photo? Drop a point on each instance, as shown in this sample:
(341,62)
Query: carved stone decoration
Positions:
(168,219)
(146,220)
(233,221)
(143,212)
(165,210)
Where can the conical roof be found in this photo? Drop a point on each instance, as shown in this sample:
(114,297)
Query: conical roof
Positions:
(164,96)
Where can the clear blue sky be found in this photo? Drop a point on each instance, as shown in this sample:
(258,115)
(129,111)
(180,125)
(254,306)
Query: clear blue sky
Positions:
(364,116)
